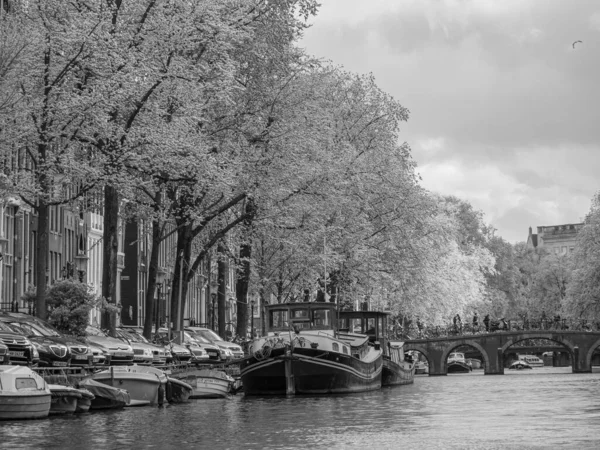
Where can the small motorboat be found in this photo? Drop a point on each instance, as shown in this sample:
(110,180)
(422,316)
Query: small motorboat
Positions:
(145,384)
(85,402)
(206,383)
(178,391)
(421,368)
(520,365)
(23,394)
(64,399)
(105,397)
(532,360)
(458,364)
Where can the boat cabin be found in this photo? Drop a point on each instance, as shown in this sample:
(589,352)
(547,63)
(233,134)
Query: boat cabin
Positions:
(371,323)
(301,316)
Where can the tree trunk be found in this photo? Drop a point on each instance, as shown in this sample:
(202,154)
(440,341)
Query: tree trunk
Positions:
(243,273)
(223,272)
(41,263)
(110,247)
(184,247)
(152,304)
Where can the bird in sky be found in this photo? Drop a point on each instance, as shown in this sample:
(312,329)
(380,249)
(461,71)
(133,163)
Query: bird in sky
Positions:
(576,43)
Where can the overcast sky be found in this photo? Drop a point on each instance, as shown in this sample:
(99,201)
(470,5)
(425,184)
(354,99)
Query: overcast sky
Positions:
(504,110)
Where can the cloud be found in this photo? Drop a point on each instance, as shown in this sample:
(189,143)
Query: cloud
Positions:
(504,111)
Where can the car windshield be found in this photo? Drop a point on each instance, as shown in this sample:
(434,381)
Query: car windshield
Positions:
(198,337)
(11,328)
(136,337)
(93,331)
(209,334)
(35,329)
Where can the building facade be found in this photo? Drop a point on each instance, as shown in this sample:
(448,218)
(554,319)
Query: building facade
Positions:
(557,239)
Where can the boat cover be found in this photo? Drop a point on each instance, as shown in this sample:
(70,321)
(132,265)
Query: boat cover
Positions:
(105,391)
(58,390)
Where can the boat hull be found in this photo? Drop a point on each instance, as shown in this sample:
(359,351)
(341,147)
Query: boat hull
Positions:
(105,396)
(63,405)
(394,374)
(312,371)
(206,383)
(458,367)
(143,390)
(24,405)
(178,391)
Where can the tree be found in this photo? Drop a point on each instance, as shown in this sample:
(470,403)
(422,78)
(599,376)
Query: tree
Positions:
(70,303)
(583,292)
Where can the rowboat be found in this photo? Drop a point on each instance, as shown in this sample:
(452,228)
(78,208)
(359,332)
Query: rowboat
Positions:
(23,394)
(145,384)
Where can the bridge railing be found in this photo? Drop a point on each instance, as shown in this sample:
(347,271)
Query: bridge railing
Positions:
(451,330)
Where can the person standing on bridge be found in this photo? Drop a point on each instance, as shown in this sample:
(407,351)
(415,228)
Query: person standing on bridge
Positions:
(475,323)
(486,322)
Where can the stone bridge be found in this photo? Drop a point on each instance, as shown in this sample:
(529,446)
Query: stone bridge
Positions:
(493,346)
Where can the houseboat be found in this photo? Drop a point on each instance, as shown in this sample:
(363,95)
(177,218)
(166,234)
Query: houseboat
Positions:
(304,352)
(396,369)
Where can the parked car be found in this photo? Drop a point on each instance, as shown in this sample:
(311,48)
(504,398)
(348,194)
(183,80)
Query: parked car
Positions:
(4,357)
(144,352)
(20,349)
(55,349)
(116,351)
(213,337)
(179,353)
(98,356)
(213,351)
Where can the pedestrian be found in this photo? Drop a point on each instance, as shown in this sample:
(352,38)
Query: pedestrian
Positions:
(457,324)
(475,322)
(420,326)
(557,321)
(543,320)
(486,322)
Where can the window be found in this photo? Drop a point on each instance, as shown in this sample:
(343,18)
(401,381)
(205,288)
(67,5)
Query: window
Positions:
(278,318)
(335,347)
(322,317)
(25,383)
(300,314)
(563,249)
(345,349)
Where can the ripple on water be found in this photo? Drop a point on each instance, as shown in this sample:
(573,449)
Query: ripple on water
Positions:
(541,408)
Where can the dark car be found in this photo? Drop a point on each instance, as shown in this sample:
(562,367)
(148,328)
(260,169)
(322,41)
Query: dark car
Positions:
(55,349)
(20,350)
(4,357)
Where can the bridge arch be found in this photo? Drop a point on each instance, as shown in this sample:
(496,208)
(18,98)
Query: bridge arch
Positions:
(591,351)
(419,348)
(465,342)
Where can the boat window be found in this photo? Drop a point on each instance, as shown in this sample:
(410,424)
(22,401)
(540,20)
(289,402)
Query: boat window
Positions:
(278,318)
(370,326)
(356,325)
(345,349)
(322,317)
(335,347)
(300,314)
(25,383)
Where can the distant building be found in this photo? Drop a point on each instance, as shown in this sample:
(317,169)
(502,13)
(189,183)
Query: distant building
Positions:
(558,239)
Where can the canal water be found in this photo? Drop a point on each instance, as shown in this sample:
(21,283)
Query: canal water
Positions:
(539,408)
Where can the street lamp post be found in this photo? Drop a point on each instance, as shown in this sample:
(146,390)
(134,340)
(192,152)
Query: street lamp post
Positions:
(252,319)
(161,274)
(213,299)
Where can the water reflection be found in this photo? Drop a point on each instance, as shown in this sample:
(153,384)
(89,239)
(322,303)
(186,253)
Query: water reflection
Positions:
(541,408)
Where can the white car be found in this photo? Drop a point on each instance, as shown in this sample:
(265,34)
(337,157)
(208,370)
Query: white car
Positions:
(236,350)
